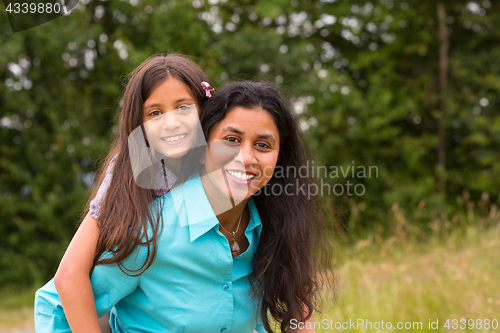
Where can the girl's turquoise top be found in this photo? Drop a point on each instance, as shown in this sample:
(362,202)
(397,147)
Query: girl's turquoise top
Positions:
(194,284)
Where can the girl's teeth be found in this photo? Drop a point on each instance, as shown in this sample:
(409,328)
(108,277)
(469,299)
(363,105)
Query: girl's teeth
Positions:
(240,176)
(175,138)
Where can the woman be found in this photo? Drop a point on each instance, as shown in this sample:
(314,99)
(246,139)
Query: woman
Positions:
(234,252)
(293,245)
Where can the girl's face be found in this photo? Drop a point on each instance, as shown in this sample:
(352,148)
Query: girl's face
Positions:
(170,118)
(242,153)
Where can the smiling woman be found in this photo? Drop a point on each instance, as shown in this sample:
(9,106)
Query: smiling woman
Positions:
(251,132)
(255,135)
(240,147)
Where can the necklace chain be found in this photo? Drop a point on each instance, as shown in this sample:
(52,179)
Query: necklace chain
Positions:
(234,232)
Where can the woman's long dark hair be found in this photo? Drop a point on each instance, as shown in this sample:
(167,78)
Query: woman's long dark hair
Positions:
(293,251)
(128,211)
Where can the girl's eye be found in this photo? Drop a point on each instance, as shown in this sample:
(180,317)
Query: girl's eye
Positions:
(154,113)
(185,109)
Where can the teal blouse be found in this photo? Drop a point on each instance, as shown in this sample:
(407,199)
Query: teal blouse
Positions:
(194,284)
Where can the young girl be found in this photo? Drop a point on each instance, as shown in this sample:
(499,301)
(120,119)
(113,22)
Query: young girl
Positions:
(160,106)
(227,271)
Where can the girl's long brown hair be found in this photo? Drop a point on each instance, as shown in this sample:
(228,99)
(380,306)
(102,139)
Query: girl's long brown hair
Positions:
(129,216)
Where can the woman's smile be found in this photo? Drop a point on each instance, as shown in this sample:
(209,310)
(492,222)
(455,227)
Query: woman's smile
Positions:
(243,145)
(241,177)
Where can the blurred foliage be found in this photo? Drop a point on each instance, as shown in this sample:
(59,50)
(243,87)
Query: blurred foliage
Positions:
(361,75)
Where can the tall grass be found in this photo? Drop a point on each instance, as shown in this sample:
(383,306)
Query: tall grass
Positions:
(451,272)
(459,279)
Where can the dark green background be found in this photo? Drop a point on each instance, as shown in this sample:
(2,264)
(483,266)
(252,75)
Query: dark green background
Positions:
(365,75)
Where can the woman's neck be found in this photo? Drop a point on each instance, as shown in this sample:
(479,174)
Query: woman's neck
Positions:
(228,213)
(231,218)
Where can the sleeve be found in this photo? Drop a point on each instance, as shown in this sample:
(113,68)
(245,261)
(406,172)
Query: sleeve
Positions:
(95,204)
(109,284)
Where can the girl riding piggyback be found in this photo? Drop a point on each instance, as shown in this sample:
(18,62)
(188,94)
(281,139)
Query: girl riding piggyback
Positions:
(157,148)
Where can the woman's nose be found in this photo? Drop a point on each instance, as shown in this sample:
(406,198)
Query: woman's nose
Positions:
(246,155)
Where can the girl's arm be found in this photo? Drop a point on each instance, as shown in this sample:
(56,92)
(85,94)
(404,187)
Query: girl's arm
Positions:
(72,279)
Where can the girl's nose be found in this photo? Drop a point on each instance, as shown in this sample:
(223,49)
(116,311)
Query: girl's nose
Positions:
(171,120)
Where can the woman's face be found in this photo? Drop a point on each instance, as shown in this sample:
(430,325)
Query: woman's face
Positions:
(242,153)
(170,118)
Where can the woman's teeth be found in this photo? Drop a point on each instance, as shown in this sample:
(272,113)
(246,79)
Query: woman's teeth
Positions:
(240,176)
(175,138)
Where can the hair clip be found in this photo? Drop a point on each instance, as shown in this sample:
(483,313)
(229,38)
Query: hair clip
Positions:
(207,88)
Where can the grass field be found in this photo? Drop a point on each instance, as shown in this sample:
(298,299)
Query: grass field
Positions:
(456,277)
(393,280)
(16,308)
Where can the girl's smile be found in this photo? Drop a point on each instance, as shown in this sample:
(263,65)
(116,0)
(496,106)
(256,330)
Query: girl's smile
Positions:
(174,139)
(171,119)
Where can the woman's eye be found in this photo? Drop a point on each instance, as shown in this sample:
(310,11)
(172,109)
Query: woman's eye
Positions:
(263,145)
(231,139)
